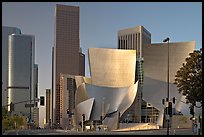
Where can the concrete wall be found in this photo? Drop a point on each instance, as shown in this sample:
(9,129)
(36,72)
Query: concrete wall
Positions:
(136,126)
(180,121)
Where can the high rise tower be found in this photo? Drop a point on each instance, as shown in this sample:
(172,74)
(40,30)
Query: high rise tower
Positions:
(6,31)
(36,108)
(48,103)
(21,58)
(67,55)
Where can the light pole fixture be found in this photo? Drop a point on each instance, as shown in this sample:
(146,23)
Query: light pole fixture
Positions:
(167,99)
(82,122)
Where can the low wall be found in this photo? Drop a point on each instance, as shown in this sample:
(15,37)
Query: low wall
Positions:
(136,126)
(180,121)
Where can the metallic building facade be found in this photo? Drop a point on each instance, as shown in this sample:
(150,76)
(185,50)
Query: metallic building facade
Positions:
(66,50)
(21,55)
(6,31)
(107,104)
(135,38)
(155,73)
(114,67)
(110,91)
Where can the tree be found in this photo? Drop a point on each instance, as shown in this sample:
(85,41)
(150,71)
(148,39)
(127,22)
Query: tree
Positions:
(11,122)
(4,112)
(189,78)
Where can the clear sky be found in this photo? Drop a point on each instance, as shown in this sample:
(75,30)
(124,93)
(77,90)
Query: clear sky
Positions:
(99,24)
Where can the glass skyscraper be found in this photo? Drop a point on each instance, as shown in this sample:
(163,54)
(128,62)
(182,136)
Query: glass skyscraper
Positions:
(21,57)
(6,31)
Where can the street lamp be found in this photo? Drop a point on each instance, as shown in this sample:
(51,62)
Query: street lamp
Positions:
(167,113)
(103,109)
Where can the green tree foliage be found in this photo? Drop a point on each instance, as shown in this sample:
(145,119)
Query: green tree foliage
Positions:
(7,123)
(4,113)
(189,78)
(11,122)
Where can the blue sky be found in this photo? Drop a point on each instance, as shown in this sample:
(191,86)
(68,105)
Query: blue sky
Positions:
(99,24)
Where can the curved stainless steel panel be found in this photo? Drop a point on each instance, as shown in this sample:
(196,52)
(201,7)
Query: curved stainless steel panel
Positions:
(119,98)
(81,94)
(111,85)
(112,67)
(107,100)
(85,107)
(155,72)
(128,99)
(113,96)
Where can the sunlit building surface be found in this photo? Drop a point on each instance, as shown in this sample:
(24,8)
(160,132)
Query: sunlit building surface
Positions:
(67,99)
(134,39)
(36,116)
(155,77)
(112,67)
(6,31)
(21,57)
(67,57)
(36,108)
(106,96)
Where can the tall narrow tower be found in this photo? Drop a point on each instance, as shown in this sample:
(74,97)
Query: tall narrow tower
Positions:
(21,52)
(67,54)
(6,31)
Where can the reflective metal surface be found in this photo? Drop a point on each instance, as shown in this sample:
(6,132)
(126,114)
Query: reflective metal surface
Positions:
(155,73)
(112,67)
(85,107)
(21,57)
(106,101)
(111,89)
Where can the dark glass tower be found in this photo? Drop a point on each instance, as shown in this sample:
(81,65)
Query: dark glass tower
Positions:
(67,56)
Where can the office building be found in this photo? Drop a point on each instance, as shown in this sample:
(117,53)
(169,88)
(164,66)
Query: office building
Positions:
(36,116)
(67,99)
(21,57)
(6,31)
(36,108)
(135,38)
(48,106)
(67,57)
(52,104)
(36,85)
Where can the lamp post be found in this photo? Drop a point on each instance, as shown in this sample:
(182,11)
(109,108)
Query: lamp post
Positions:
(82,122)
(167,113)
(102,110)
